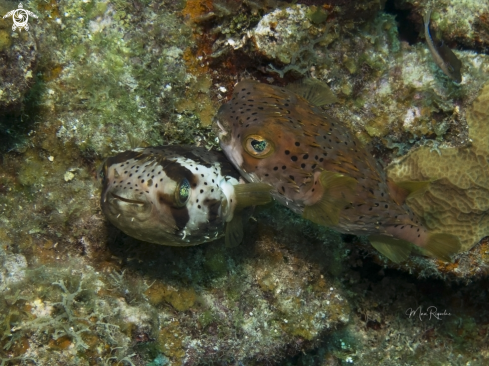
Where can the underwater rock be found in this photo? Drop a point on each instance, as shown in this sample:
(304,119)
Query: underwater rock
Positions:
(457,200)
(387,89)
(288,36)
(348,9)
(458,22)
(18,61)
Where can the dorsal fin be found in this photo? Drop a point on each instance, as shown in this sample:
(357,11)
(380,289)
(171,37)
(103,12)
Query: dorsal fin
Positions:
(314,91)
(134,142)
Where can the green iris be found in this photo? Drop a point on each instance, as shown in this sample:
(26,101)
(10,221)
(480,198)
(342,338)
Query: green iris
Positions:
(183,192)
(259,146)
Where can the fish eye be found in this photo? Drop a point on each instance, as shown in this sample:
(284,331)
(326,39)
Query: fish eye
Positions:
(258,146)
(182,193)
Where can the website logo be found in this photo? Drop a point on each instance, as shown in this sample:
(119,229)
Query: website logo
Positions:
(20,17)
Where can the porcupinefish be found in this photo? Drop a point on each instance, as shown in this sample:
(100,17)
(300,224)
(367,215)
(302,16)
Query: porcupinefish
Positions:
(177,195)
(319,168)
(442,54)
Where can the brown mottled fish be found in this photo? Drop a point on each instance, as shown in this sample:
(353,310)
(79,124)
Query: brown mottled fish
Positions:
(442,55)
(177,195)
(319,169)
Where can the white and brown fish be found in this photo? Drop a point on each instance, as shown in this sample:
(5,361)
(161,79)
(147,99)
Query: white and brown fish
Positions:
(441,53)
(177,195)
(319,169)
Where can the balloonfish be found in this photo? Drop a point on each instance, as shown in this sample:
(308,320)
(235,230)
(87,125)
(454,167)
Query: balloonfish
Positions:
(177,195)
(319,168)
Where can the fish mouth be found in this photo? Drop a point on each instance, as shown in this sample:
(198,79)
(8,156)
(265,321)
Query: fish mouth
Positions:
(127,200)
(221,129)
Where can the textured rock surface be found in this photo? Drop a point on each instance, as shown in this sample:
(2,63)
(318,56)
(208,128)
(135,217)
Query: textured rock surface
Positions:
(457,201)
(387,89)
(459,22)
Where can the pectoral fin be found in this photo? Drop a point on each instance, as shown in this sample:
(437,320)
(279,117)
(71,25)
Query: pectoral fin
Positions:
(338,192)
(234,230)
(401,191)
(252,194)
(396,250)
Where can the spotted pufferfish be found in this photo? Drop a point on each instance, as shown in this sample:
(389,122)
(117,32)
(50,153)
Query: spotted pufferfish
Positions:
(177,195)
(319,168)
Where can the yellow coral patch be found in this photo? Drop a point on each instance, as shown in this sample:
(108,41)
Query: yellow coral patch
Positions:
(457,202)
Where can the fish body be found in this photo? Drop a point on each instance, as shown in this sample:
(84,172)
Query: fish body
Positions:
(316,165)
(442,55)
(175,195)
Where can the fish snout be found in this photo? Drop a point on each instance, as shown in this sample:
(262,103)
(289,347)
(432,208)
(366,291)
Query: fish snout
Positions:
(128,203)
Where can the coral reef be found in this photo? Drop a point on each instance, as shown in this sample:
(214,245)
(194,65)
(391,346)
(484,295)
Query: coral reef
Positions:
(348,10)
(76,291)
(387,88)
(18,61)
(464,23)
(457,200)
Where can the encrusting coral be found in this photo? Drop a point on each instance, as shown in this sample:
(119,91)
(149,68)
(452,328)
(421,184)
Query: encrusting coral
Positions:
(457,199)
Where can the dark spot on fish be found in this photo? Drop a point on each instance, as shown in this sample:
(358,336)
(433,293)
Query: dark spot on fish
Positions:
(291,177)
(297,143)
(313,166)
(275,168)
(293,158)
(199,206)
(284,167)
(142,180)
(305,156)
(386,206)
(283,189)
(370,209)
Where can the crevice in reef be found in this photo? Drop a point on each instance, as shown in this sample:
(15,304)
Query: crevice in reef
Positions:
(408,30)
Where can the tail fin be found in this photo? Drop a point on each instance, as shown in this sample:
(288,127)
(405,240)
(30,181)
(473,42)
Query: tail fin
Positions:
(443,246)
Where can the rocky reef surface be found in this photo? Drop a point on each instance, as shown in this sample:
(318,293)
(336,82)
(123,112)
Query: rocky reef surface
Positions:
(88,75)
